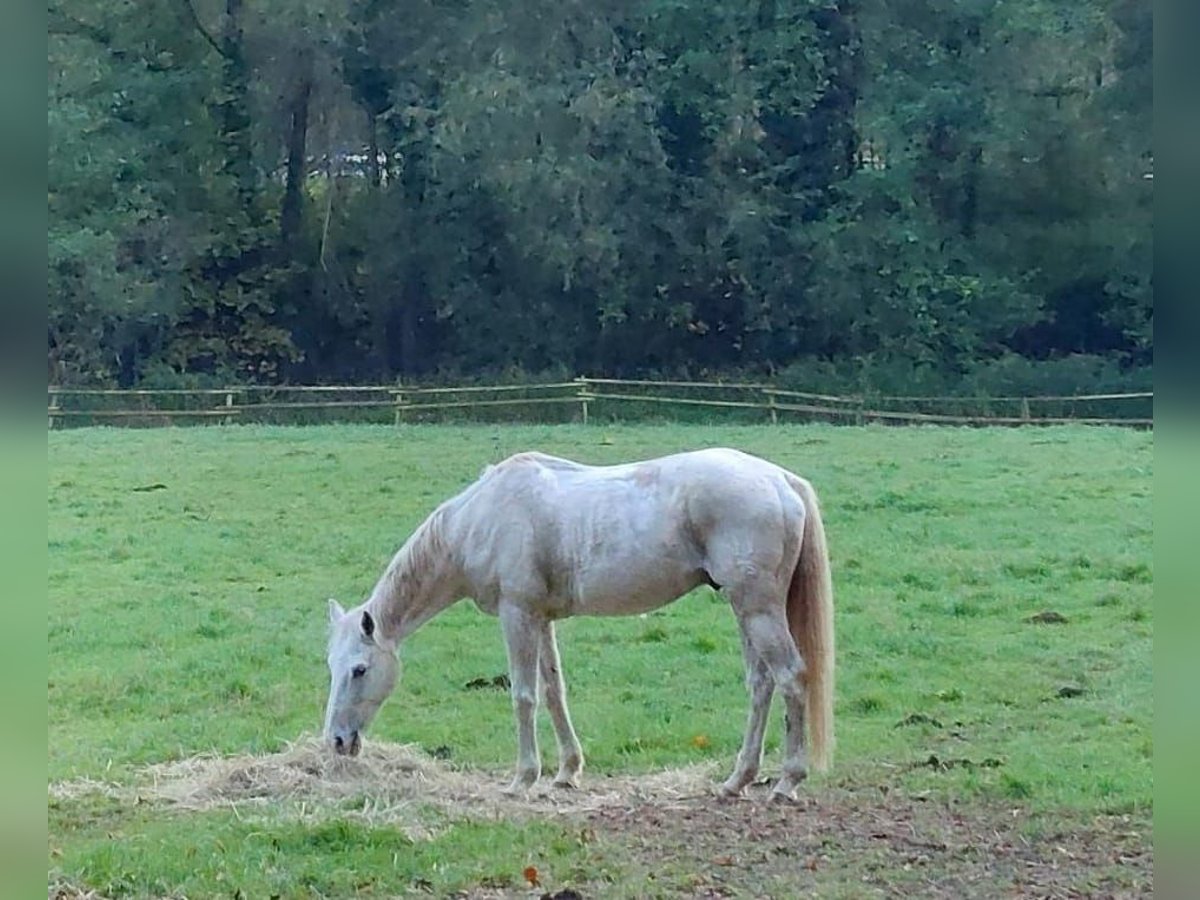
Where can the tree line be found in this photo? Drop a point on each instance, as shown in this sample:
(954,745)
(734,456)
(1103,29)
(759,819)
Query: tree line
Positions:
(918,192)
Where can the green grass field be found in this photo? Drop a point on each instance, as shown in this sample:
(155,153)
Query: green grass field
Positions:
(188,572)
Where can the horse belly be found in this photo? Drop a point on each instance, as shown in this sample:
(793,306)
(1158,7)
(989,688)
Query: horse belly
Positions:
(615,591)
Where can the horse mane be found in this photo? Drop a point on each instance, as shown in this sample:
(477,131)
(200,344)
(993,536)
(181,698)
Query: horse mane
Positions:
(421,565)
(416,567)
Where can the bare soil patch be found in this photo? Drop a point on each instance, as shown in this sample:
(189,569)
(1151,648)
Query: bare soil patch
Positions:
(865,842)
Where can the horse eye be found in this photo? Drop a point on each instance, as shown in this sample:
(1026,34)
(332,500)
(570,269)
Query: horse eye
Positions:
(358,671)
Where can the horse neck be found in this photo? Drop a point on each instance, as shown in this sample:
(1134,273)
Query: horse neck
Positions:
(421,580)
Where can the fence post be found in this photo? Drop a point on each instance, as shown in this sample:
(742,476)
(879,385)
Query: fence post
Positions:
(399,395)
(583,399)
(858,413)
(771,405)
(1025,408)
(53,407)
(228,405)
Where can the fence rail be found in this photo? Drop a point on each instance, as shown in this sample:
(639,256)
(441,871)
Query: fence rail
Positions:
(578,400)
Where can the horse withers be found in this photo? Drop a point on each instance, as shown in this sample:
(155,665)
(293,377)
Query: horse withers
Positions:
(538,538)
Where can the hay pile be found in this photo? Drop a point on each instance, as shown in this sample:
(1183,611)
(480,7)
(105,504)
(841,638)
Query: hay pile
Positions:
(392,784)
(61,889)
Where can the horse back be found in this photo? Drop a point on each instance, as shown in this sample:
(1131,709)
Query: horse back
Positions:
(617,539)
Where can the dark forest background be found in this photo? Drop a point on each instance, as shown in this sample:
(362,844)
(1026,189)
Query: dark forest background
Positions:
(918,194)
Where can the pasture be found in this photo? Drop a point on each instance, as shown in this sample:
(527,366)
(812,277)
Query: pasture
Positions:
(994,695)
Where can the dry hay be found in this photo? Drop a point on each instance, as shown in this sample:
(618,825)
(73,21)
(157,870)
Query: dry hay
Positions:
(62,889)
(83,787)
(394,784)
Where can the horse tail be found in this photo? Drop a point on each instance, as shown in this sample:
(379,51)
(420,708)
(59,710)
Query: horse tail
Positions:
(810,620)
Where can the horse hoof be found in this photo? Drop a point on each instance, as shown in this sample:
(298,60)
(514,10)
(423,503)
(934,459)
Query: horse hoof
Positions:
(566,784)
(735,785)
(788,797)
(521,784)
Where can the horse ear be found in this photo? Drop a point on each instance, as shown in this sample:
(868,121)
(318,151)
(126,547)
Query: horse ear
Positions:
(368,624)
(336,612)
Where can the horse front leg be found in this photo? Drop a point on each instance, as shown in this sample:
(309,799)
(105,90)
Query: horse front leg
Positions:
(761,686)
(570,753)
(522,631)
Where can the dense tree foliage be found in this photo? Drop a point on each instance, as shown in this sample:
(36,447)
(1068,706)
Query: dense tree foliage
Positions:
(259,190)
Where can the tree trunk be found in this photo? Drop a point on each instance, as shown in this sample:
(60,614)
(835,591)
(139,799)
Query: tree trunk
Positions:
(291,214)
(970,205)
(408,328)
(235,112)
(373,167)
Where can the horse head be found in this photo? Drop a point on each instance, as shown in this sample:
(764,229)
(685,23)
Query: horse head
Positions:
(363,671)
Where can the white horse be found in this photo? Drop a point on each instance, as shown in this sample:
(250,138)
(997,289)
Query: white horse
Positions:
(538,538)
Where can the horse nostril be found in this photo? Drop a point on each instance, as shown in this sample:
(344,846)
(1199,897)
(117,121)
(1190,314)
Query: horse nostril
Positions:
(338,744)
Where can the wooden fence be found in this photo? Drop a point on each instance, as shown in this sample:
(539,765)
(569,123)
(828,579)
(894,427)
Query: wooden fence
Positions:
(577,400)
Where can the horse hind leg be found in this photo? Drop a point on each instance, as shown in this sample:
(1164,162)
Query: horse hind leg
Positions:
(760,685)
(767,632)
(554,690)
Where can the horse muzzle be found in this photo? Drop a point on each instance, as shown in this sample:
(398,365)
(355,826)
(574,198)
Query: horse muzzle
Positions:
(347,745)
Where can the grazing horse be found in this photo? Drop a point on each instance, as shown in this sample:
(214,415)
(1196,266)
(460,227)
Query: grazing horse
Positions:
(537,538)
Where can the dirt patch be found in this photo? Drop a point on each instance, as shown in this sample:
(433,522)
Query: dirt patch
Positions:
(864,842)
(498,682)
(1048,617)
